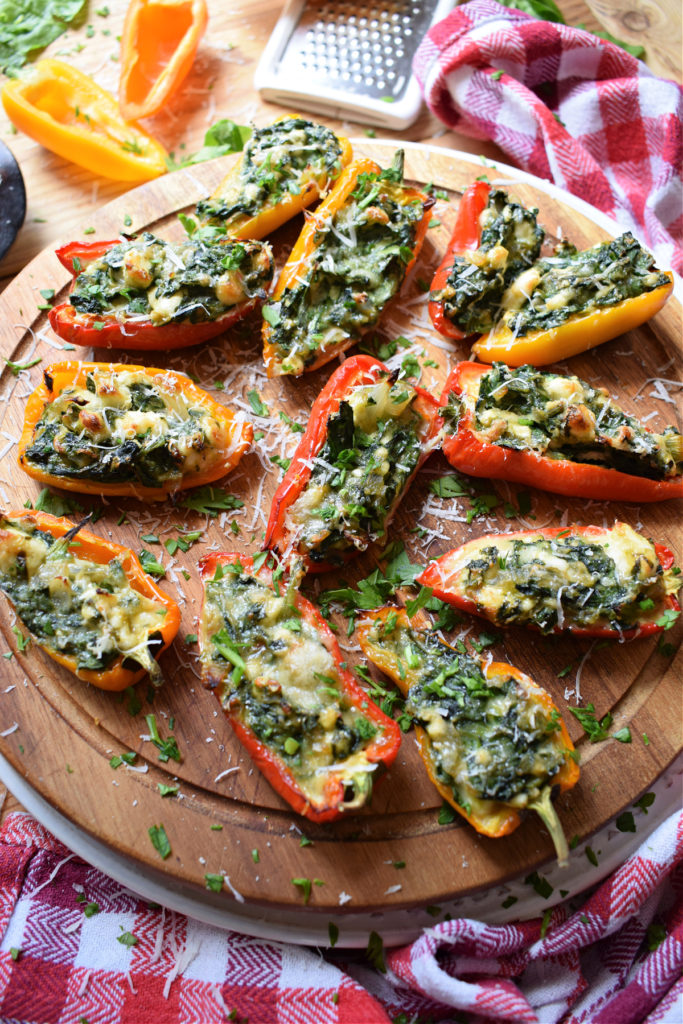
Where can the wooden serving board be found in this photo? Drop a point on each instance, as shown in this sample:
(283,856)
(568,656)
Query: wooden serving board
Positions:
(66,732)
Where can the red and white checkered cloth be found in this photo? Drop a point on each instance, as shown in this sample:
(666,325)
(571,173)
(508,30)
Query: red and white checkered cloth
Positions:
(592,966)
(617,143)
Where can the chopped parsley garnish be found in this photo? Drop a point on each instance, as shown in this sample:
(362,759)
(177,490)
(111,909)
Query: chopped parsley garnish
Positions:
(16,368)
(118,759)
(159,840)
(150,564)
(127,938)
(333,932)
(56,504)
(540,884)
(257,404)
(214,882)
(304,885)
(447,814)
(167,748)
(594,729)
(210,501)
(646,800)
(626,822)
(375,952)
(167,790)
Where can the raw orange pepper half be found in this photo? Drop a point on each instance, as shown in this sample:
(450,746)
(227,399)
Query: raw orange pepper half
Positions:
(435,677)
(40,457)
(68,113)
(158,45)
(88,547)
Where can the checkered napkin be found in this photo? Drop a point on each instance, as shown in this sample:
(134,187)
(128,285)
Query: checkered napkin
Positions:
(77,947)
(568,107)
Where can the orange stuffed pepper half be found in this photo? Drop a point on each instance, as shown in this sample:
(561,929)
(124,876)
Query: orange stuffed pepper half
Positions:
(85,600)
(350,259)
(492,741)
(115,428)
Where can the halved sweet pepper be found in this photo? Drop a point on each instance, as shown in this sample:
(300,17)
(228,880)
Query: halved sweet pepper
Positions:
(585,580)
(275,667)
(465,238)
(531,309)
(350,259)
(367,435)
(556,433)
(158,45)
(67,112)
(115,428)
(284,168)
(147,294)
(87,601)
(492,741)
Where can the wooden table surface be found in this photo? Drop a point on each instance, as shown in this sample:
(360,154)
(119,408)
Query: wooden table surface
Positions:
(61,196)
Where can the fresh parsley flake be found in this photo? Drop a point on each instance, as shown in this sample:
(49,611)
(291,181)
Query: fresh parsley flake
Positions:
(159,840)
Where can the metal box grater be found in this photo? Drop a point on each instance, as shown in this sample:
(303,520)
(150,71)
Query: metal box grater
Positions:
(348,60)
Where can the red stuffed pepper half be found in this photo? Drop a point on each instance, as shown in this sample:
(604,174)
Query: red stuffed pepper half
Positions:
(537,309)
(148,294)
(276,668)
(585,580)
(557,433)
(367,435)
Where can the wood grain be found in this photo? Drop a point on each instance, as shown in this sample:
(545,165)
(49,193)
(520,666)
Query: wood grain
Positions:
(67,732)
(63,197)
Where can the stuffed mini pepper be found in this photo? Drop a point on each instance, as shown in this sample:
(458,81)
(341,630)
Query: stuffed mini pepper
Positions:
(86,601)
(114,428)
(531,309)
(493,742)
(367,435)
(276,668)
(284,168)
(349,261)
(148,294)
(557,433)
(586,580)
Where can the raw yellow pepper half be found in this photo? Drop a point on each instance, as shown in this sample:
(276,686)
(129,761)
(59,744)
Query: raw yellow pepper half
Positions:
(68,113)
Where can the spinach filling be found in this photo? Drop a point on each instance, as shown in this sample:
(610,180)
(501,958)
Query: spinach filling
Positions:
(124,427)
(274,673)
(373,446)
(573,282)
(510,242)
(358,265)
(488,739)
(566,418)
(192,281)
(505,281)
(76,608)
(570,581)
(279,159)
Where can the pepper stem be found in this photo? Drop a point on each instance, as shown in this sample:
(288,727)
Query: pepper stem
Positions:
(546,811)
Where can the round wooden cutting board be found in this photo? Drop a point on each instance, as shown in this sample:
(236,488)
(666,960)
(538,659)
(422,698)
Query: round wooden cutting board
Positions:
(59,734)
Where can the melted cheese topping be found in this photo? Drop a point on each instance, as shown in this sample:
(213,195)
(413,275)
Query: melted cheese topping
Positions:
(284,685)
(351,493)
(148,419)
(612,580)
(75,607)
